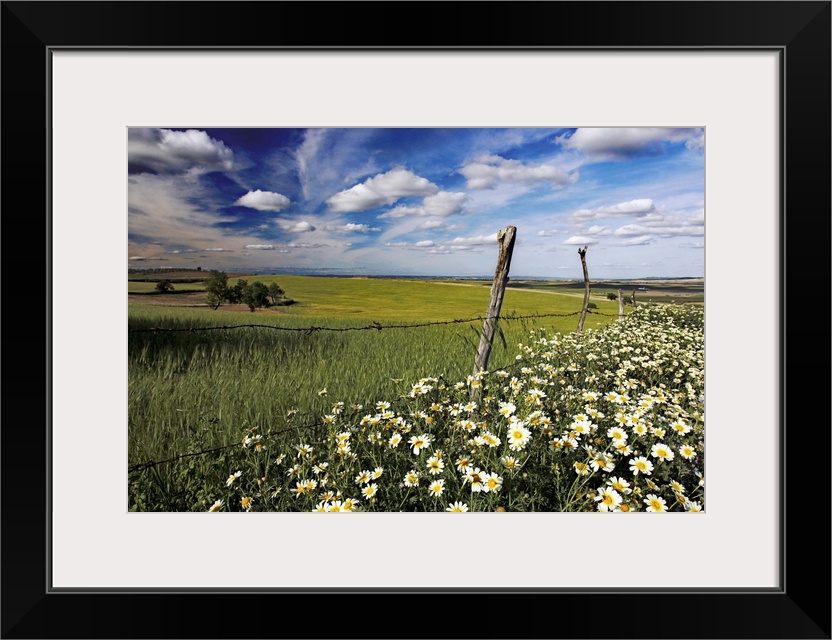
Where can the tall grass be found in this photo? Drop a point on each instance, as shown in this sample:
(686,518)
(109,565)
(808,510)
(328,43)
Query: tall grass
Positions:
(254,376)
(610,421)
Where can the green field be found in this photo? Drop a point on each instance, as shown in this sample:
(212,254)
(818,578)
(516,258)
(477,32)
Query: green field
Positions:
(251,377)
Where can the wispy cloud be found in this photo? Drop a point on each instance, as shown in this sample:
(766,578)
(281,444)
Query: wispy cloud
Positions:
(637,207)
(350,227)
(637,241)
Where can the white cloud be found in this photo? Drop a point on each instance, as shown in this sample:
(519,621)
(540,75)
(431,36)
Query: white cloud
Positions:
(637,241)
(475,240)
(137,258)
(167,210)
(166,151)
(598,230)
(442,204)
(487,171)
(263,201)
(616,143)
(262,247)
(438,225)
(306,245)
(547,233)
(662,230)
(217,249)
(350,227)
(300,226)
(581,240)
(384,188)
(638,207)
(421,244)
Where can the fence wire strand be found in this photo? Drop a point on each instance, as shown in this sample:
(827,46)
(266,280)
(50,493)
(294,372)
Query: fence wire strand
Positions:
(374,326)
(141,466)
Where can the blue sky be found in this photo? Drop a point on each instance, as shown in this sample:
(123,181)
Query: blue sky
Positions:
(421,201)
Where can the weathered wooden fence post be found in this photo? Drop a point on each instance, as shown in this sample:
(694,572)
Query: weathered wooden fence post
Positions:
(505,238)
(582,253)
(633,298)
(620,306)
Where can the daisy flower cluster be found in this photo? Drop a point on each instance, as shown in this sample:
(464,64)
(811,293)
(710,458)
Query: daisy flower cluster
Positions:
(611,421)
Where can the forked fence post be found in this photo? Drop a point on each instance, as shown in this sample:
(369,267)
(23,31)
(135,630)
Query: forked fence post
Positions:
(582,253)
(505,238)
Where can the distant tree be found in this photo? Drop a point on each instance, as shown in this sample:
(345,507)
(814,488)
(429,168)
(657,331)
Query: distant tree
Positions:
(275,292)
(164,286)
(612,296)
(235,293)
(255,295)
(216,288)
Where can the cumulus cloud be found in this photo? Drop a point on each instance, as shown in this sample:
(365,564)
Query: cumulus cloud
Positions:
(261,247)
(581,240)
(637,241)
(263,201)
(301,226)
(638,207)
(217,249)
(618,143)
(350,227)
(137,258)
(547,233)
(441,204)
(165,151)
(175,251)
(488,171)
(382,189)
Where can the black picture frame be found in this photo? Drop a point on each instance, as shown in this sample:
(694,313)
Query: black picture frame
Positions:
(800,608)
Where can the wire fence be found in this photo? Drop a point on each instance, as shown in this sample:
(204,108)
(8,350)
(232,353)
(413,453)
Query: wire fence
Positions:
(373,326)
(142,466)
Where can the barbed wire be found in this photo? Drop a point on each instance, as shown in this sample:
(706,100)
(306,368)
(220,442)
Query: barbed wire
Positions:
(141,466)
(373,326)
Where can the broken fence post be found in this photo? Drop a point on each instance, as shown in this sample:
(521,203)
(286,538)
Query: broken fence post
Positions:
(505,238)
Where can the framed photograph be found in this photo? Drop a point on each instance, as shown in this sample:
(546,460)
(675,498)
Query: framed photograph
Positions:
(737,94)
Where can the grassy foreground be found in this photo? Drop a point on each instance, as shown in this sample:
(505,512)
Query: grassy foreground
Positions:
(611,422)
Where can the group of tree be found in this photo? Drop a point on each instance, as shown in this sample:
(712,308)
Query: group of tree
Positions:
(254,294)
(164,286)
